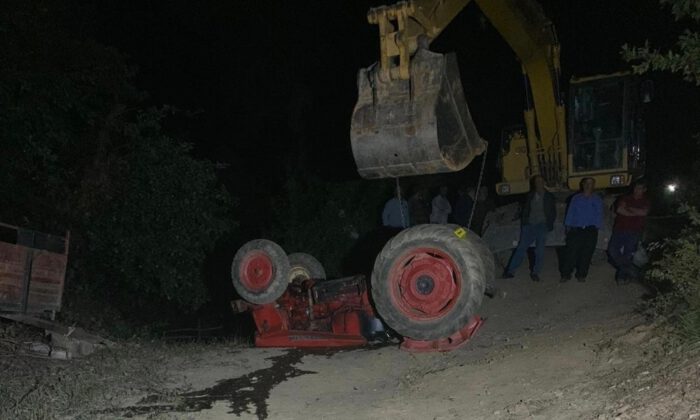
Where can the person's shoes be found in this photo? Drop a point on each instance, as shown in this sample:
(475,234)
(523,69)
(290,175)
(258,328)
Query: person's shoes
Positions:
(507,275)
(564,278)
(581,279)
(534,277)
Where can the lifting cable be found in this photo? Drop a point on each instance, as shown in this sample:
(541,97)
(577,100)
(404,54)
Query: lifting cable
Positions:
(478,185)
(404,220)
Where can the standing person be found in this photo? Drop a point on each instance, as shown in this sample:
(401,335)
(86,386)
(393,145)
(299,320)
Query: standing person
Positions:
(441,207)
(419,208)
(395,215)
(630,216)
(537,220)
(483,206)
(463,207)
(583,220)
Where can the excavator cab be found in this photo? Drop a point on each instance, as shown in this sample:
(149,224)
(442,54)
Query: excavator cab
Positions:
(606,130)
(414,126)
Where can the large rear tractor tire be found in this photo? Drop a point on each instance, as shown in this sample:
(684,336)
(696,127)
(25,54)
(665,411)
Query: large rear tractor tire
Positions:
(486,256)
(305,267)
(260,271)
(428,282)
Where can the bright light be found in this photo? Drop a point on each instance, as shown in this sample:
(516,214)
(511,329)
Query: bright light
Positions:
(671,188)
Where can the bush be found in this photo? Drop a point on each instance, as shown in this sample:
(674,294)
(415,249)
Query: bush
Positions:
(676,275)
(677,270)
(165,213)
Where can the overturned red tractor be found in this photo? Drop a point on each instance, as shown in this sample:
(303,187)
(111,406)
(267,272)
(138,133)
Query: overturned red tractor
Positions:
(427,284)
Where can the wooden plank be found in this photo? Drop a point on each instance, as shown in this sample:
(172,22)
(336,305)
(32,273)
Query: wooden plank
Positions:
(45,282)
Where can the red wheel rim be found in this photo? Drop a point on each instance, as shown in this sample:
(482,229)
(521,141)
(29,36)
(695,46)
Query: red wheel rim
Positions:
(256,271)
(425,284)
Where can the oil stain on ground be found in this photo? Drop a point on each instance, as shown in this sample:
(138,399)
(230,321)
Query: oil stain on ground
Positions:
(244,393)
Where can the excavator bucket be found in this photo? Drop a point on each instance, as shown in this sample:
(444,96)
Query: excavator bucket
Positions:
(413,127)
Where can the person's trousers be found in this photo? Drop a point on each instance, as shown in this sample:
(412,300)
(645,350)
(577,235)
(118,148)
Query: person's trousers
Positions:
(529,234)
(621,249)
(580,245)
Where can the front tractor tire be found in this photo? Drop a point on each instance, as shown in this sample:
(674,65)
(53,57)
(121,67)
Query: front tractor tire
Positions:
(428,281)
(260,271)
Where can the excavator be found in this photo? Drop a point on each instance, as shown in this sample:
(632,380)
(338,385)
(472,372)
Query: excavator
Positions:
(412,118)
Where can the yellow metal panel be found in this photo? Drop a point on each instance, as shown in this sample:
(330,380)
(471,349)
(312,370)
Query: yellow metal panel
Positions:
(402,23)
(531,35)
(513,187)
(515,161)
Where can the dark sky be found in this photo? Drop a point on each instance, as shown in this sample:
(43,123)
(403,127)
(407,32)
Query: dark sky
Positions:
(272,78)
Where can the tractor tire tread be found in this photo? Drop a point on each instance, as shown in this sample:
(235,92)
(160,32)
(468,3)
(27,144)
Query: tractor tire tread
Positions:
(280,279)
(467,253)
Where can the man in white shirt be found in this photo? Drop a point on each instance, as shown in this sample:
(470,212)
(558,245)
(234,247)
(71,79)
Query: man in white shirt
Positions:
(441,207)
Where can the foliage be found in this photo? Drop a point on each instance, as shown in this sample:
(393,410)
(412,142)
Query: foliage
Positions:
(676,275)
(678,265)
(676,270)
(83,153)
(165,213)
(327,219)
(684,59)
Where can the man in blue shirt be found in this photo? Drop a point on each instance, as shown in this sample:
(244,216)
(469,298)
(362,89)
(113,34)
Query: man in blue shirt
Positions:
(395,214)
(583,219)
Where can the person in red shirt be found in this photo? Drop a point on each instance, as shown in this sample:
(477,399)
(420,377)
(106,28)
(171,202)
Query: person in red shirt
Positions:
(630,216)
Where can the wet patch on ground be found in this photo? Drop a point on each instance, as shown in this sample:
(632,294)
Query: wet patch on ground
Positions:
(245,394)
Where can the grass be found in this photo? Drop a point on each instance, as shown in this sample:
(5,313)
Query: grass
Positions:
(690,326)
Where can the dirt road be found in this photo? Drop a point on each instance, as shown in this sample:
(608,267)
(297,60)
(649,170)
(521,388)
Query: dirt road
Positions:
(547,350)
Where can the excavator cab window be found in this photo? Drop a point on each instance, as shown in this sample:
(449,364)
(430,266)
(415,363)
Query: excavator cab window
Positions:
(597,125)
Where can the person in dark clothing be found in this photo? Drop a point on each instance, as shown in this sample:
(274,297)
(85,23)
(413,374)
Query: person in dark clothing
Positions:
(462,208)
(419,208)
(483,206)
(630,216)
(583,220)
(537,220)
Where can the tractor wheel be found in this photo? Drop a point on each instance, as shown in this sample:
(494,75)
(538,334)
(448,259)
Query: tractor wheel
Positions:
(260,271)
(428,282)
(486,256)
(304,267)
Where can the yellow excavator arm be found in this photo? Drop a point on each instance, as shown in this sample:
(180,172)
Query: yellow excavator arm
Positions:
(406,27)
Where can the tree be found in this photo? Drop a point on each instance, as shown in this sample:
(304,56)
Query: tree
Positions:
(81,152)
(684,59)
(676,270)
